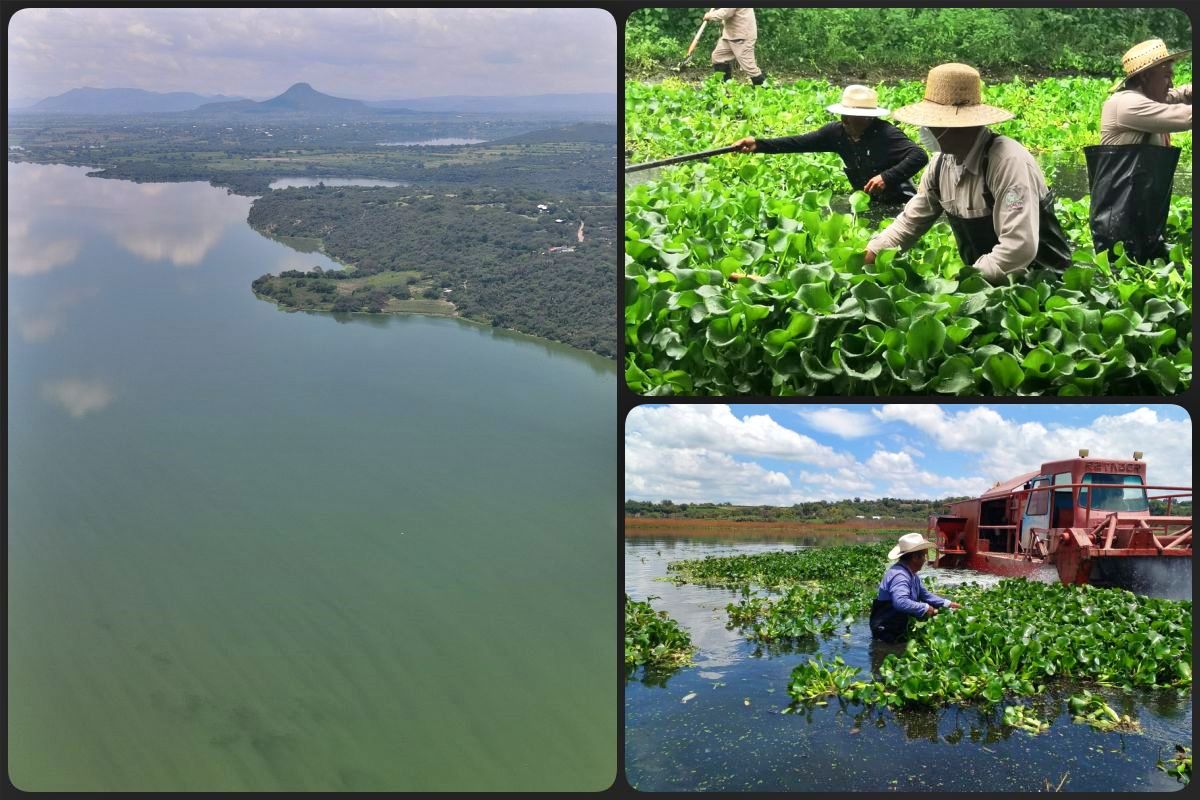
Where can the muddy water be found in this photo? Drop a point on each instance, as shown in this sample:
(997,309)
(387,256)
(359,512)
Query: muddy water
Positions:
(731,736)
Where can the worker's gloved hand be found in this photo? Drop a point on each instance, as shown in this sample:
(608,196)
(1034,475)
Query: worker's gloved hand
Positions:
(875,185)
(746,144)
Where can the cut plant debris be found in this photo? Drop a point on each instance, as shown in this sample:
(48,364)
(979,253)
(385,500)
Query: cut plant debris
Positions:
(1179,766)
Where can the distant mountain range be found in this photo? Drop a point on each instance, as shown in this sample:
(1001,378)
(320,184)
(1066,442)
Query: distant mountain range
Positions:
(300,98)
(121,101)
(303,98)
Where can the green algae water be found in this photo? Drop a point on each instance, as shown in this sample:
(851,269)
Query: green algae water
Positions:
(258,550)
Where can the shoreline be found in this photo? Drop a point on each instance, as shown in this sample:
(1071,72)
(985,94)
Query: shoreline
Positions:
(657,527)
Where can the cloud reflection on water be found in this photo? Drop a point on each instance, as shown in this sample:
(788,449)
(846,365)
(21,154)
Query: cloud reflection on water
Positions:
(78,397)
(178,223)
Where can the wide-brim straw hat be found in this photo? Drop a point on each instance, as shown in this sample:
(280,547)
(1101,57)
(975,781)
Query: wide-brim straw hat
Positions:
(910,543)
(858,101)
(1144,56)
(953,99)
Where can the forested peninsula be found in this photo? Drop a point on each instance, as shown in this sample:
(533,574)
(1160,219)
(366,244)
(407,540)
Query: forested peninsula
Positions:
(535,262)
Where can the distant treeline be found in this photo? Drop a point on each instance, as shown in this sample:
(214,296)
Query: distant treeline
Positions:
(887,508)
(908,41)
(823,511)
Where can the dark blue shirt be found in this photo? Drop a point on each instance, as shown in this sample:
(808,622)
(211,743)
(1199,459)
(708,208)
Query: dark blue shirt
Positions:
(883,150)
(904,588)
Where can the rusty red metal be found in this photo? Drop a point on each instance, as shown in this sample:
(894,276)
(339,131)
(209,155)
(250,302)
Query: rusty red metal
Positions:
(999,531)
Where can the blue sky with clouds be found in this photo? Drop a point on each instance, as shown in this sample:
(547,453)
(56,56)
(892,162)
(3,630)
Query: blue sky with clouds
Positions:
(783,454)
(363,53)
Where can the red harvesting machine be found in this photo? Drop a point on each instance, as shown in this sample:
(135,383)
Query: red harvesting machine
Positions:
(1091,519)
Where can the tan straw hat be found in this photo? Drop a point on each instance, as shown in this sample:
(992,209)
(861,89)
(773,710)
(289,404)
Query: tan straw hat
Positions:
(952,100)
(910,543)
(1142,57)
(858,101)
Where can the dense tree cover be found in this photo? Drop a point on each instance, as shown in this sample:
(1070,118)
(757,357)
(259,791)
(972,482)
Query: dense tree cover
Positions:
(888,508)
(907,41)
(489,246)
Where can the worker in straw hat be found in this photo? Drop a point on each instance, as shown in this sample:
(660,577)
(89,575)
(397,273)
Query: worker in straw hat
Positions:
(991,189)
(879,159)
(902,597)
(739,32)
(1131,171)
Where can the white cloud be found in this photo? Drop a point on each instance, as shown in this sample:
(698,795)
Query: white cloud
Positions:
(841,422)
(718,429)
(1005,448)
(353,52)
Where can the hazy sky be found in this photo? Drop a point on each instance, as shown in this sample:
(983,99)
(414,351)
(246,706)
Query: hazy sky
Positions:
(370,54)
(785,454)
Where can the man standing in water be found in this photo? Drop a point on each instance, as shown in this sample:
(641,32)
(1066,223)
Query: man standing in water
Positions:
(1132,170)
(739,32)
(878,158)
(990,187)
(902,597)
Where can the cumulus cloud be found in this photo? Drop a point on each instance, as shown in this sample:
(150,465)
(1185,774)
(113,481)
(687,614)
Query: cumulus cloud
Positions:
(841,422)
(78,397)
(717,428)
(1005,448)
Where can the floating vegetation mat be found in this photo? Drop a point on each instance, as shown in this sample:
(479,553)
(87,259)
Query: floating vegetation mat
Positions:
(1016,637)
(1010,639)
(653,640)
(741,279)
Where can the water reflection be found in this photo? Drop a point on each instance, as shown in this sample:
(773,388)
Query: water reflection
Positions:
(177,223)
(77,396)
(41,324)
(300,183)
(732,736)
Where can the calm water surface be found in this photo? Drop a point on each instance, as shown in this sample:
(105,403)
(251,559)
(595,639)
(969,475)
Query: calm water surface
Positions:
(287,183)
(258,550)
(731,735)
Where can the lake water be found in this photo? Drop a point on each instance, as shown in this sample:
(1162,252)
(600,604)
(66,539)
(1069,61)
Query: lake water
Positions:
(731,735)
(258,550)
(442,142)
(289,183)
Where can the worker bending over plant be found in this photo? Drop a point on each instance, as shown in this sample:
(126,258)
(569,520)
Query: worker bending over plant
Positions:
(902,597)
(990,187)
(1131,171)
(739,32)
(879,159)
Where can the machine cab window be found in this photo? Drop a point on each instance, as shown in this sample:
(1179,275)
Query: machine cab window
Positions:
(1113,492)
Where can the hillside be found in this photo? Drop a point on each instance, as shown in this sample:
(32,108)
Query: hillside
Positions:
(88,100)
(300,98)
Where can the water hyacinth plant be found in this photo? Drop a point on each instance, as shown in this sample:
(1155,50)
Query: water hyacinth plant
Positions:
(1017,637)
(1023,718)
(1179,766)
(741,278)
(653,640)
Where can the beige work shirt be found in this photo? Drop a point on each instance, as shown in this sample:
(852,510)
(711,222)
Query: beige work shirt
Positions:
(1017,187)
(1129,117)
(736,23)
